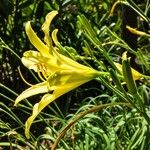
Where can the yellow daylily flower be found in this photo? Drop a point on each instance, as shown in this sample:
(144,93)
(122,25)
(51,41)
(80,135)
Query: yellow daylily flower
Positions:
(59,74)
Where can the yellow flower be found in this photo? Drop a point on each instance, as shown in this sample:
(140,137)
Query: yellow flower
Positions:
(59,74)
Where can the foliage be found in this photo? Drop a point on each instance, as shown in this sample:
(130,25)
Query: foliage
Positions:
(111,112)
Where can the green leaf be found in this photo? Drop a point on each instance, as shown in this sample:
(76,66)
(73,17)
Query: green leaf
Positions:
(127,73)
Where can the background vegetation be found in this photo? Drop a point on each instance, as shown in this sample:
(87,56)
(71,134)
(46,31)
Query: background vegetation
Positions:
(94,36)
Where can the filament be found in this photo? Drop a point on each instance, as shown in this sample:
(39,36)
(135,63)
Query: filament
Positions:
(23,77)
(41,72)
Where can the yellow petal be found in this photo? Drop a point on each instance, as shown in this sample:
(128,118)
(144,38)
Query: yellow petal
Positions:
(54,36)
(34,59)
(53,63)
(68,62)
(136,75)
(45,27)
(34,39)
(63,59)
(36,89)
(36,109)
(30,60)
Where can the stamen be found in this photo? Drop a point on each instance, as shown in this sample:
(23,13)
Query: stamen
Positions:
(40,72)
(44,75)
(23,77)
(43,70)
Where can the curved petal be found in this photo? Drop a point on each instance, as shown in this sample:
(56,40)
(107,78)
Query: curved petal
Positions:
(34,90)
(30,60)
(36,110)
(45,28)
(34,39)
(54,36)
(66,61)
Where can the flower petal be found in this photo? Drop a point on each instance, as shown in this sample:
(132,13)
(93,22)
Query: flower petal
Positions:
(33,59)
(54,36)
(36,89)
(45,27)
(34,39)
(67,62)
(30,60)
(63,59)
(46,99)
